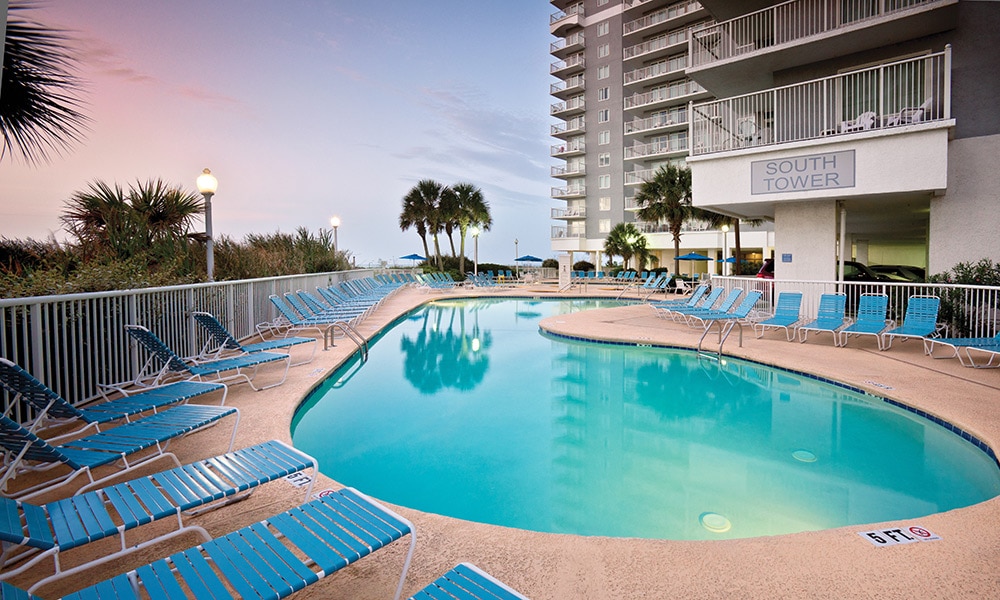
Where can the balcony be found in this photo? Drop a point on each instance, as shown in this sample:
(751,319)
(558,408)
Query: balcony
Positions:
(564,171)
(661,70)
(669,17)
(574,126)
(563,47)
(886,98)
(571,148)
(569,213)
(561,233)
(639,176)
(573,191)
(741,54)
(673,119)
(566,19)
(674,146)
(572,106)
(664,44)
(686,89)
(568,87)
(572,64)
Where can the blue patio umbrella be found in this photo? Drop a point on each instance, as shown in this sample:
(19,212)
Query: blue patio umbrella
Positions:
(693,256)
(528,258)
(413,257)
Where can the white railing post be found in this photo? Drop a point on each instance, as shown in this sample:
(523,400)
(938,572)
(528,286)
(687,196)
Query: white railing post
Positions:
(947,81)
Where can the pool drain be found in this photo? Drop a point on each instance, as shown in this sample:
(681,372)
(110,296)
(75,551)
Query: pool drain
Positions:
(804,456)
(715,522)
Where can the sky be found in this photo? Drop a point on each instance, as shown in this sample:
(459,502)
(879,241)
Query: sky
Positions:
(305,109)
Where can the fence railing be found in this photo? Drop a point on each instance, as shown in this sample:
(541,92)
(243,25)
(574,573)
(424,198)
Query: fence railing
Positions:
(966,310)
(661,16)
(75,342)
(787,22)
(892,95)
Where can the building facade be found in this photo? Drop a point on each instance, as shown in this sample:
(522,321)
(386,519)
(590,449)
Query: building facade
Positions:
(862,129)
(622,107)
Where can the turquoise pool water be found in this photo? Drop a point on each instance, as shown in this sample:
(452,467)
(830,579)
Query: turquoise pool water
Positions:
(465,409)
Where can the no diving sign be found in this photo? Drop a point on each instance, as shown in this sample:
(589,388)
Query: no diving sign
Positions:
(899,535)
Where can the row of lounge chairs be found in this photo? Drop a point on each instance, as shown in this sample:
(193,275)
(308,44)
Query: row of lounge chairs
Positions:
(871,319)
(272,558)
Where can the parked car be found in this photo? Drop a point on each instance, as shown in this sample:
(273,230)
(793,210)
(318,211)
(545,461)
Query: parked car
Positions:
(855,271)
(766,269)
(907,272)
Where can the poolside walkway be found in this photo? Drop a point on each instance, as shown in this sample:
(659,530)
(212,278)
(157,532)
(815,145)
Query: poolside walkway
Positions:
(824,564)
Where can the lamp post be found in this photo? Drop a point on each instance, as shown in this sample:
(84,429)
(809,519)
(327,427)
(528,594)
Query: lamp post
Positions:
(207,185)
(725,248)
(475,252)
(335,223)
(517,267)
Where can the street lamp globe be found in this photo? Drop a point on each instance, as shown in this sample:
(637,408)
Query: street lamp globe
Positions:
(335,223)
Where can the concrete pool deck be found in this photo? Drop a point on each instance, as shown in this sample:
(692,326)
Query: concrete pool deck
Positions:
(833,563)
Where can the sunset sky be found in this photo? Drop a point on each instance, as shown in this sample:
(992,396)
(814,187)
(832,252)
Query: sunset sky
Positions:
(308,108)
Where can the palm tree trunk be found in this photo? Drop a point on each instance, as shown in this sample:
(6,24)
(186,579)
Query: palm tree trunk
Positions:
(423,238)
(461,256)
(738,255)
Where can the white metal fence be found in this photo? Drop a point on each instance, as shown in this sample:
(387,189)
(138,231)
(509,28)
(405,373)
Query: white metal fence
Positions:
(891,95)
(966,310)
(74,342)
(788,22)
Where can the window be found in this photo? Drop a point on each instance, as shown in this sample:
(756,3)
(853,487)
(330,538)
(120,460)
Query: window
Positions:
(603,28)
(604,115)
(604,203)
(604,93)
(603,72)
(604,182)
(604,226)
(604,137)
(602,2)
(604,159)
(603,50)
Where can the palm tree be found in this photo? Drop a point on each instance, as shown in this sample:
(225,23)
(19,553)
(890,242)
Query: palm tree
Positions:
(421,210)
(472,209)
(623,240)
(717,221)
(667,197)
(107,220)
(39,107)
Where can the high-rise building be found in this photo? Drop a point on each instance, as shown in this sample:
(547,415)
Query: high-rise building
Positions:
(863,129)
(623,104)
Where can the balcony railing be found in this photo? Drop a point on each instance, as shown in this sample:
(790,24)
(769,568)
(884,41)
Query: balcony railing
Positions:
(893,95)
(673,117)
(574,10)
(567,84)
(671,65)
(664,14)
(661,42)
(787,22)
(569,213)
(559,233)
(566,42)
(574,124)
(562,171)
(571,191)
(572,146)
(571,104)
(571,61)
(656,148)
(668,92)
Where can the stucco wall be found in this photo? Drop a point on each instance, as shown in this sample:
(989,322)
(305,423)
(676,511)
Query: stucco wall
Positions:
(964,223)
(807,231)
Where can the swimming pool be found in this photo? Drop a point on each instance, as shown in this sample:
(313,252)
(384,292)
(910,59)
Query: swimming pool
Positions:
(465,409)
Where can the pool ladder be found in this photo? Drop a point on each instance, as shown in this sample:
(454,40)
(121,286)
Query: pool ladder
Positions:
(349,332)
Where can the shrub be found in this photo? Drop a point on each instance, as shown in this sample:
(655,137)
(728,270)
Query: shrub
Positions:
(955,306)
(582,265)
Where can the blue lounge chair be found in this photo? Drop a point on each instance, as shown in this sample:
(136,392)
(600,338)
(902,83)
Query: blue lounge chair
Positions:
(341,314)
(220,341)
(695,314)
(290,322)
(830,317)
(991,352)
(956,344)
(26,452)
(270,559)
(695,297)
(708,302)
(700,298)
(730,319)
(175,366)
(919,321)
(32,533)
(871,319)
(467,582)
(786,315)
